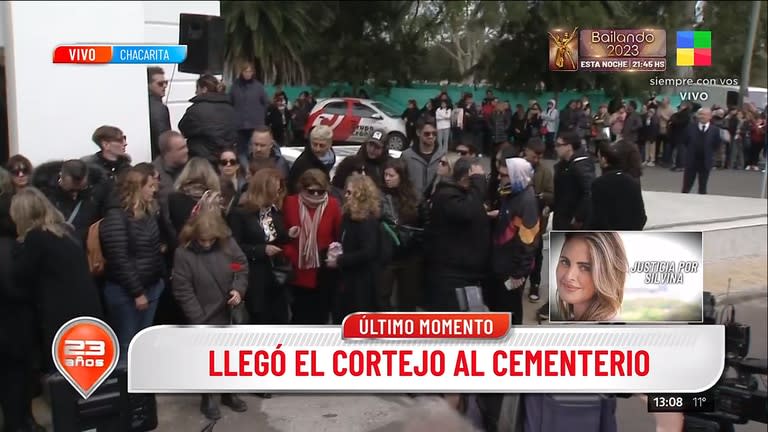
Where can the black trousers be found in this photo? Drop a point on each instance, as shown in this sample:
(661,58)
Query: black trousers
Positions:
(404,278)
(311,306)
(690,174)
(15,392)
(500,299)
(535,276)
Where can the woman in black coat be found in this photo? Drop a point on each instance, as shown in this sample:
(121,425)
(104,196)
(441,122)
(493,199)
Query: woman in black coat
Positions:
(47,258)
(135,268)
(617,198)
(51,285)
(19,336)
(258,226)
(210,123)
(358,261)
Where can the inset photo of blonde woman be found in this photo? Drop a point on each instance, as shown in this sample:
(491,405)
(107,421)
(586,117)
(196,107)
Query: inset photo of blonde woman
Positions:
(607,276)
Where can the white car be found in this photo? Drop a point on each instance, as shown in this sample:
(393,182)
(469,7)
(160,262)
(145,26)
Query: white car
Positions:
(353,121)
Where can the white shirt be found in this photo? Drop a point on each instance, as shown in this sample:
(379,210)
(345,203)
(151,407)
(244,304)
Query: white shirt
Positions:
(704,127)
(443,118)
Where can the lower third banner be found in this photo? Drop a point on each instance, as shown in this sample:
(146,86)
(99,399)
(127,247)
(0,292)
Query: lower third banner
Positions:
(572,359)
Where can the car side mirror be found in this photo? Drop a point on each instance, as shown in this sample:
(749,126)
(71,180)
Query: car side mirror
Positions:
(377,116)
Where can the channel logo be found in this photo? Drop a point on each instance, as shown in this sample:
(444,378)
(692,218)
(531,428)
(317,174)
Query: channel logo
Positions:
(694,48)
(85,351)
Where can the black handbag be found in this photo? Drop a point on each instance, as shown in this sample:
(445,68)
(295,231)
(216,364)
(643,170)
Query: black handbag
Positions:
(238,315)
(282,270)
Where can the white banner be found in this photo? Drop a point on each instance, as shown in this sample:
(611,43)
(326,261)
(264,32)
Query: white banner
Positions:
(557,359)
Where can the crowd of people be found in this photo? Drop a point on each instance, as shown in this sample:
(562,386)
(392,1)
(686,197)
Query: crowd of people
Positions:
(221,229)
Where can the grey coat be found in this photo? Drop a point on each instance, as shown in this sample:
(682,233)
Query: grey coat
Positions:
(421,172)
(250,101)
(202,280)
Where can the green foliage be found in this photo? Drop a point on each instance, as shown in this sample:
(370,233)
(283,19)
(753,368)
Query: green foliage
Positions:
(729,23)
(503,42)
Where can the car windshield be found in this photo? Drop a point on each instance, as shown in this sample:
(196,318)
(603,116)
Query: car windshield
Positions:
(386,109)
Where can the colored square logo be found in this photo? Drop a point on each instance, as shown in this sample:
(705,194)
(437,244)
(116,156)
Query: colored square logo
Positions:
(702,39)
(694,48)
(702,57)
(684,39)
(685,56)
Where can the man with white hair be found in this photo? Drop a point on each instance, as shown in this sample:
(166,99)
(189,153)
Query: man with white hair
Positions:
(318,154)
(702,140)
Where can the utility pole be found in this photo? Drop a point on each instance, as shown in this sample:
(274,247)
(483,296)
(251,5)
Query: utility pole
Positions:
(746,64)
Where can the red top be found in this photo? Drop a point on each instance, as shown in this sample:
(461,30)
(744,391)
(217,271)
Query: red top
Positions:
(328,231)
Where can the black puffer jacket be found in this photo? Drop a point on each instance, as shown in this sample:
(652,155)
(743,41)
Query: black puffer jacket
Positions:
(131,248)
(458,230)
(210,125)
(46,178)
(573,192)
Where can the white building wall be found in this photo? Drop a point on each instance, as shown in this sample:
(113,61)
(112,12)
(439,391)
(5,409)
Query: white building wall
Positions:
(54,108)
(161,24)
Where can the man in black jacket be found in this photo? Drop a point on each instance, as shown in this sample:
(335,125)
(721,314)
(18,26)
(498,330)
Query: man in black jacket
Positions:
(374,155)
(318,154)
(457,235)
(574,174)
(159,117)
(110,161)
(69,187)
(702,140)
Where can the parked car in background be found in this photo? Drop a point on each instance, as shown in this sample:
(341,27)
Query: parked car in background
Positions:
(353,120)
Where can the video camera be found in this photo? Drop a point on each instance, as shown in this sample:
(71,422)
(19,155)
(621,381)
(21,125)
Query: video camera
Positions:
(738,395)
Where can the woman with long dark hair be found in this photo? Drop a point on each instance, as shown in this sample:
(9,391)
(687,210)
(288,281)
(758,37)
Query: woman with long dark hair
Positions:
(400,208)
(617,198)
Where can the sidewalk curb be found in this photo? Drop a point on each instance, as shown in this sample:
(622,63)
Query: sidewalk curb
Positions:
(741,296)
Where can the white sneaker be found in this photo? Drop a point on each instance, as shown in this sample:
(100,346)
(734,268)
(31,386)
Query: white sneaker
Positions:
(651,164)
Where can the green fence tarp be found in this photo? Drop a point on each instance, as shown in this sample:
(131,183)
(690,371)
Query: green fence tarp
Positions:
(397,97)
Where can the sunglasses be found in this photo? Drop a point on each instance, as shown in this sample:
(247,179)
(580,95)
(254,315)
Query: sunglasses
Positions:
(429,133)
(162,83)
(462,152)
(228,162)
(360,170)
(19,171)
(316,192)
(443,163)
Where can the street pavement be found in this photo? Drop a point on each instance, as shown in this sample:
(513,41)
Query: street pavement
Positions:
(384,413)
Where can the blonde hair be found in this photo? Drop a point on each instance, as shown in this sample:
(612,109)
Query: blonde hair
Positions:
(364,200)
(452,158)
(609,273)
(198,171)
(265,188)
(322,133)
(30,209)
(209,222)
(129,187)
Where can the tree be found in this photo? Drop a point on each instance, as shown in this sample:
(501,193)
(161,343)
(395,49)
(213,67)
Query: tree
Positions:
(728,21)
(466,30)
(272,34)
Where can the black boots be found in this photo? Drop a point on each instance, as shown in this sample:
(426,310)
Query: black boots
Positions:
(209,406)
(234,403)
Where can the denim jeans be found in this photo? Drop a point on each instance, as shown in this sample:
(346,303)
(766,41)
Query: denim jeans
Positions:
(123,316)
(443,136)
